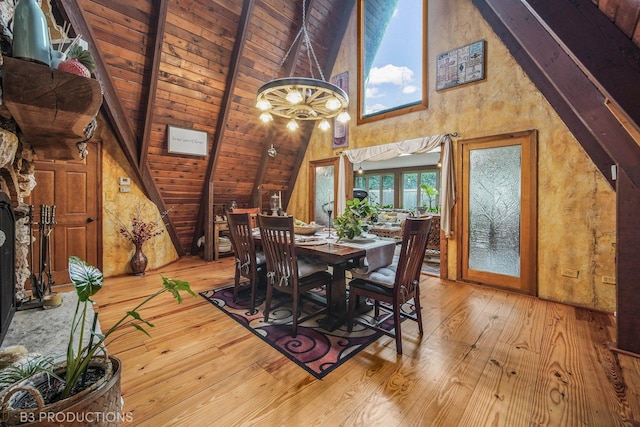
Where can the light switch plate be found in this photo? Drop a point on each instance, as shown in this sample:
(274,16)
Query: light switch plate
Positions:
(125,189)
(124,180)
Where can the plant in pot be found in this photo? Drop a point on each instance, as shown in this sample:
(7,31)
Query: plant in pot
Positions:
(354,221)
(88,381)
(431,194)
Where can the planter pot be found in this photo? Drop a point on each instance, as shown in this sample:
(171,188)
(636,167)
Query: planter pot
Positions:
(98,405)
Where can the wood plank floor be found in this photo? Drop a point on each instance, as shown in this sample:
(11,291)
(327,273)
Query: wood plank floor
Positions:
(487,358)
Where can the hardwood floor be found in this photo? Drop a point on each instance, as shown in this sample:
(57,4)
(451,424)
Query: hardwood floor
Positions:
(487,357)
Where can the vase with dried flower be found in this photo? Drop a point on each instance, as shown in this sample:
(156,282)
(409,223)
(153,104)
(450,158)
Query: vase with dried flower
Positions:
(138,233)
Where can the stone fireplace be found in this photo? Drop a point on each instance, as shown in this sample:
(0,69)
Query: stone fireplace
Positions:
(16,182)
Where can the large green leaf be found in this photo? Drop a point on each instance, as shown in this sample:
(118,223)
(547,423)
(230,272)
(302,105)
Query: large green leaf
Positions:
(86,278)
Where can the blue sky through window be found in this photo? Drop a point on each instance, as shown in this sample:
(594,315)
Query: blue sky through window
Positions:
(395,78)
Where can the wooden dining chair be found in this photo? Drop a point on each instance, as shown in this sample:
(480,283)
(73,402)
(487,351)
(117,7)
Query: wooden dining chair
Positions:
(287,272)
(250,264)
(253,213)
(394,284)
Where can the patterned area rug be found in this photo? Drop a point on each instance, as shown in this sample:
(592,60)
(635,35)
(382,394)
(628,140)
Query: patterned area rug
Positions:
(314,349)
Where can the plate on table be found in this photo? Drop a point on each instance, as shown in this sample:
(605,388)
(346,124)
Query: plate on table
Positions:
(310,241)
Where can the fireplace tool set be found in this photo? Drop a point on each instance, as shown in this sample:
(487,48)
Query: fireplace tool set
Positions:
(41,286)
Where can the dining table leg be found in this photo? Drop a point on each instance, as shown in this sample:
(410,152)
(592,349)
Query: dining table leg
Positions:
(338,309)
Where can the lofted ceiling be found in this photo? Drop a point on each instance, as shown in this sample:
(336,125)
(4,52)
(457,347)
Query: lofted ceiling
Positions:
(197,64)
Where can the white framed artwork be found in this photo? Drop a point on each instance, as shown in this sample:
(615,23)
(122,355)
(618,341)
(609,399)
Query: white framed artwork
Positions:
(187,141)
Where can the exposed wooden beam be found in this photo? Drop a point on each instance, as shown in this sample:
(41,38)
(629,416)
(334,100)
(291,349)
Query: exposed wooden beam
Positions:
(73,12)
(627,261)
(600,157)
(585,98)
(331,60)
(602,50)
(152,83)
(205,213)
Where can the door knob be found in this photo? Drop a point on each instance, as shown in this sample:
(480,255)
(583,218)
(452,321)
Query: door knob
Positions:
(91,219)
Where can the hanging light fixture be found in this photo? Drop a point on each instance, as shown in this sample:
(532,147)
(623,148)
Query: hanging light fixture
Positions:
(303,98)
(360,170)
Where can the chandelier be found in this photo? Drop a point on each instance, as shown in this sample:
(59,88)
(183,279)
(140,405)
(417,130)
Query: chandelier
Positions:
(303,98)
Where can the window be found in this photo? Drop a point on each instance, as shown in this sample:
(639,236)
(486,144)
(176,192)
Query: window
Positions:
(402,188)
(392,77)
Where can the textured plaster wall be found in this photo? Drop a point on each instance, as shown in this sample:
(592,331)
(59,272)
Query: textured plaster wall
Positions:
(576,206)
(117,250)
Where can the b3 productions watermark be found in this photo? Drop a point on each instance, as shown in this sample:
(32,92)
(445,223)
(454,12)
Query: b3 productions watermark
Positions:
(89,418)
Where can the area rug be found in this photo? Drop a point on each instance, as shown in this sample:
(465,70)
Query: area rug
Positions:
(314,349)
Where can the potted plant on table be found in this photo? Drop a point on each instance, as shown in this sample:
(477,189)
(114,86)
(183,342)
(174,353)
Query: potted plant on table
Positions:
(354,221)
(88,381)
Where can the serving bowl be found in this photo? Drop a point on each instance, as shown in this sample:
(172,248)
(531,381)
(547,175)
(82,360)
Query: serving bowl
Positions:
(307,230)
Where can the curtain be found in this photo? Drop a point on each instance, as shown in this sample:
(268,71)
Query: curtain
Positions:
(410,146)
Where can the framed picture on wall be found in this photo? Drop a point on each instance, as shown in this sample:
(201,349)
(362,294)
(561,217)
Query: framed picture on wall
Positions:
(187,141)
(340,130)
(460,66)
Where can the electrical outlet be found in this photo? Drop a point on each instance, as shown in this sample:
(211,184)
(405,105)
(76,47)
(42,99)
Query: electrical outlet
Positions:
(125,189)
(124,180)
(611,280)
(569,272)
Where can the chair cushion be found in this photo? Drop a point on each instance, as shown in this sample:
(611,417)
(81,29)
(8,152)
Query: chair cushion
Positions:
(309,266)
(384,276)
(370,287)
(260,258)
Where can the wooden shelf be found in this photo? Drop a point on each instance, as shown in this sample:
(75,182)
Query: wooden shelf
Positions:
(51,107)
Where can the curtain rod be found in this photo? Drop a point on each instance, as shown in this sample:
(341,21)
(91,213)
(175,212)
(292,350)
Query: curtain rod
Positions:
(453,135)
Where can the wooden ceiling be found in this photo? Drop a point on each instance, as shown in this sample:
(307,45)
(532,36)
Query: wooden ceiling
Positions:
(198,64)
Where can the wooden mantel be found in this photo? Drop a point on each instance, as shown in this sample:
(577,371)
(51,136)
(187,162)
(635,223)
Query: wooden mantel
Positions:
(52,108)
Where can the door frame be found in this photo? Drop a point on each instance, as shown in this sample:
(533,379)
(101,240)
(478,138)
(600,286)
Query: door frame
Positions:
(312,182)
(527,282)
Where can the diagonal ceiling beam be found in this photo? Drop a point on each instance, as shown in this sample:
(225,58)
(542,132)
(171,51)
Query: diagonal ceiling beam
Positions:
(205,213)
(600,158)
(331,60)
(152,82)
(568,78)
(112,106)
(73,12)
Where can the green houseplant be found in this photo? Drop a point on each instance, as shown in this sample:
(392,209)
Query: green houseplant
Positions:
(431,193)
(69,377)
(353,222)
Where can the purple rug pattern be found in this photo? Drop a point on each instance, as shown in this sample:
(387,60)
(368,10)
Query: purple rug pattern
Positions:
(314,349)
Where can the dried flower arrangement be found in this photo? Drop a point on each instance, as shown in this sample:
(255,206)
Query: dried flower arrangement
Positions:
(140,230)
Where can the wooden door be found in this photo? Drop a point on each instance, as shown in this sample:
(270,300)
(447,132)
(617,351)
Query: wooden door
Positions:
(498,211)
(73,187)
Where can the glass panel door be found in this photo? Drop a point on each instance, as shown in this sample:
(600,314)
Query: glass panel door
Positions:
(499,211)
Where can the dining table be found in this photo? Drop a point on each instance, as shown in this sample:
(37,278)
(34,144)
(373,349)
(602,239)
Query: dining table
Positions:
(362,254)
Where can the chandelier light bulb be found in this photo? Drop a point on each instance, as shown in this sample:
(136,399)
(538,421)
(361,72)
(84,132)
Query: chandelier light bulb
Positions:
(343,117)
(292,125)
(324,125)
(263,104)
(333,104)
(266,117)
(294,97)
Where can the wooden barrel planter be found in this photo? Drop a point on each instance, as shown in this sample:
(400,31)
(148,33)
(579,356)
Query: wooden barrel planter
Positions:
(98,405)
